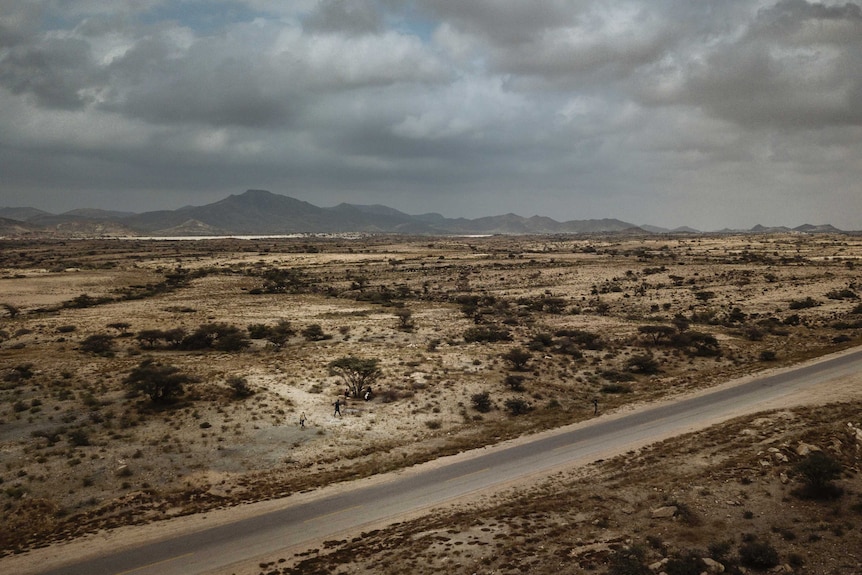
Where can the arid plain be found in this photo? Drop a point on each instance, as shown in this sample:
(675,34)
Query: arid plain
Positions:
(474,340)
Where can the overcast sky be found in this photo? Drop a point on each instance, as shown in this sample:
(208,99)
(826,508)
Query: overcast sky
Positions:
(712,114)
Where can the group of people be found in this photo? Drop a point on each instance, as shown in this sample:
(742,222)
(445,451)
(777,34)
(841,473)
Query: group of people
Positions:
(365,394)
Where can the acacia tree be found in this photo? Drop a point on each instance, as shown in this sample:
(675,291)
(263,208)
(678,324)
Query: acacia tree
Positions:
(657,332)
(405,319)
(159,381)
(357,373)
(518,358)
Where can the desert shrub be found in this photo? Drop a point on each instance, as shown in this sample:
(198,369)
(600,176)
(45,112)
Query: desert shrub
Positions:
(276,335)
(706,316)
(628,561)
(66,328)
(735,316)
(697,343)
(795,560)
(240,386)
(686,514)
(616,376)
(282,281)
(642,363)
(656,542)
(217,336)
(52,436)
(753,333)
(803,303)
(720,550)
(314,332)
(845,293)
(554,305)
(758,555)
(517,358)
(540,342)
(257,330)
(79,437)
(82,301)
(818,470)
(517,406)
(514,382)
(481,401)
(566,346)
(433,424)
(98,344)
(584,339)
(174,337)
(488,334)
(684,563)
(20,372)
(616,388)
(792,319)
(704,295)
(160,382)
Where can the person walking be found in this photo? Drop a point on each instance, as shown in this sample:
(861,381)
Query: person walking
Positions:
(337,407)
(302,420)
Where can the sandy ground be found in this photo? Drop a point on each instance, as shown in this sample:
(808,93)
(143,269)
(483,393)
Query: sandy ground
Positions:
(83,455)
(848,388)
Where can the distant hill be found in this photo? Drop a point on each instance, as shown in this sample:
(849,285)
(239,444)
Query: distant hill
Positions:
(21,214)
(260,212)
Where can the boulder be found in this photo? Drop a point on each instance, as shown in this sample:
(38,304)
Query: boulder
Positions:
(804,449)
(664,512)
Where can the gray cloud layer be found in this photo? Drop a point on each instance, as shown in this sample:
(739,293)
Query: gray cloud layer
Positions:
(711,114)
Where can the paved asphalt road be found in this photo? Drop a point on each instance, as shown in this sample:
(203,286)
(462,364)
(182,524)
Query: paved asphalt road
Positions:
(345,512)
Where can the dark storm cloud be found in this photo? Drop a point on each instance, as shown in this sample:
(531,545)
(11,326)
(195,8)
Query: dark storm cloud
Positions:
(154,82)
(668,112)
(56,73)
(794,65)
(345,16)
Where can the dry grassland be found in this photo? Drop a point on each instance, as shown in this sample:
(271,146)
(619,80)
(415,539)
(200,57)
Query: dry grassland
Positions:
(614,319)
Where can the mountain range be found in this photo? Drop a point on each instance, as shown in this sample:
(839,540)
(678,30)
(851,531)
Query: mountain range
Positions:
(260,212)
